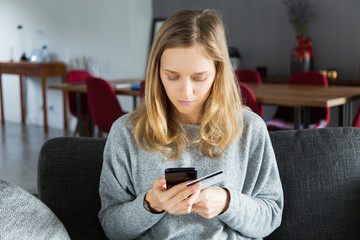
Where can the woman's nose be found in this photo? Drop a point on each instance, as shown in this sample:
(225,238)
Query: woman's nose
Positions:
(187,87)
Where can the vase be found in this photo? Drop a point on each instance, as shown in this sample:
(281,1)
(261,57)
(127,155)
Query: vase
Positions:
(302,56)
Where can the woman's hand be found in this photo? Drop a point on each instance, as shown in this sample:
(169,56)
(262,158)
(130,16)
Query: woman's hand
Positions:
(211,202)
(177,200)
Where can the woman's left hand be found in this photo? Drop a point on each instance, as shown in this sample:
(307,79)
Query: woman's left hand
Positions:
(211,202)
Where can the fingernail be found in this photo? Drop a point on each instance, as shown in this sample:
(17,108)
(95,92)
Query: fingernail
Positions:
(198,185)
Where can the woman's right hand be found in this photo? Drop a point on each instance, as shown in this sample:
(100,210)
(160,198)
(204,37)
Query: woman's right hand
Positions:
(176,200)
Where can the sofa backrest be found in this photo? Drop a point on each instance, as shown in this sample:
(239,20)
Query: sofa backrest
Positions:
(320,174)
(319,170)
(68,183)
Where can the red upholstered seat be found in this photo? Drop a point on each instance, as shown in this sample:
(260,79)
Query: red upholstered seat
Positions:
(253,76)
(103,103)
(74,77)
(142,89)
(248,75)
(249,99)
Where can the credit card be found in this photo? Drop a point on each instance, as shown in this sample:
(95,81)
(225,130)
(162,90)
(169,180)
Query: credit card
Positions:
(209,180)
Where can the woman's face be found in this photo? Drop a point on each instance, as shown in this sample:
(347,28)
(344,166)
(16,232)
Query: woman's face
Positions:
(187,75)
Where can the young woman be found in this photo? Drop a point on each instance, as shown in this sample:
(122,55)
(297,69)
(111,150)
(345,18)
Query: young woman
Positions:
(191,116)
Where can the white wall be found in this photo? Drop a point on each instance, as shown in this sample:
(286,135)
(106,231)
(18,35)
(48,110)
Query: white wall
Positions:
(114,33)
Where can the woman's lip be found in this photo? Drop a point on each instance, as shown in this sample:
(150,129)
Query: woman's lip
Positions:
(187,103)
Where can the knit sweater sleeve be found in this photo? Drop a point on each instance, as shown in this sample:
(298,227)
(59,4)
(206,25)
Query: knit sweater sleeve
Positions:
(122,214)
(256,209)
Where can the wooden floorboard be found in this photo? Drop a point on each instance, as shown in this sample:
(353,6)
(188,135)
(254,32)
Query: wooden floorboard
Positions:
(19,151)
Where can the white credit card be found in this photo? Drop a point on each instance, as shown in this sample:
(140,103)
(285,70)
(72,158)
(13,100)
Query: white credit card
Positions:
(209,180)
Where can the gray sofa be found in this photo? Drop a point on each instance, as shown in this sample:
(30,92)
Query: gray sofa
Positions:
(319,169)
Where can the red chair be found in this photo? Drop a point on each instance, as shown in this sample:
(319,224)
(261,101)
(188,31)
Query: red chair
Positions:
(247,75)
(74,77)
(104,106)
(356,122)
(142,89)
(250,76)
(284,116)
(249,99)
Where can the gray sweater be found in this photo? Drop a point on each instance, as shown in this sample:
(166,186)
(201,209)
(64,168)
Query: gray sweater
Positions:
(252,178)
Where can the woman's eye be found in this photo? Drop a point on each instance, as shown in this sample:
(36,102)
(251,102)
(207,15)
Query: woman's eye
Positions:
(173,77)
(199,79)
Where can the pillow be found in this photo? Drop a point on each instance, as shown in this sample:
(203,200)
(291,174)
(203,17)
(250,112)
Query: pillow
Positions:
(23,216)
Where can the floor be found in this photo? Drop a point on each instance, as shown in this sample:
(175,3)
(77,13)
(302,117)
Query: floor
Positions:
(19,151)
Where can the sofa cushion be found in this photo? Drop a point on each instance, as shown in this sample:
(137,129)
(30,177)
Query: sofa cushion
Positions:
(320,173)
(68,183)
(23,216)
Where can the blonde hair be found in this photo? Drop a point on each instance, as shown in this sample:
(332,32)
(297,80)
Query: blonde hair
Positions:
(155,122)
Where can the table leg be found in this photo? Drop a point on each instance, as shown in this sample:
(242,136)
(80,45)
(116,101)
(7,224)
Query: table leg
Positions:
(306,117)
(79,114)
(297,117)
(343,115)
(65,109)
(90,124)
(134,102)
(43,88)
(22,99)
(64,93)
(1,103)
(350,114)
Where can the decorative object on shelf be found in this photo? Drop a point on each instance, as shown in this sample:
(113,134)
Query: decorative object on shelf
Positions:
(330,74)
(23,58)
(235,58)
(85,63)
(300,14)
(302,56)
(22,41)
(262,70)
(80,63)
(38,54)
(11,54)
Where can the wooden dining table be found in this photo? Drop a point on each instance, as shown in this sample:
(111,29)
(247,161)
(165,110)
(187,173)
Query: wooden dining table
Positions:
(304,96)
(300,97)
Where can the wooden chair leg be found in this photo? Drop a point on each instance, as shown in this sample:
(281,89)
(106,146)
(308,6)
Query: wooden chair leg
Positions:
(100,133)
(76,130)
(85,129)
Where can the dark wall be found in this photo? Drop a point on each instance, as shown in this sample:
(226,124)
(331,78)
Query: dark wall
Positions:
(260,29)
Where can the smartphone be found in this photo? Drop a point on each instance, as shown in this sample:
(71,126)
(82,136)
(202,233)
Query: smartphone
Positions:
(175,176)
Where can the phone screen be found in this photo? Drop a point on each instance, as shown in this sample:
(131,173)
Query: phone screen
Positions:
(175,176)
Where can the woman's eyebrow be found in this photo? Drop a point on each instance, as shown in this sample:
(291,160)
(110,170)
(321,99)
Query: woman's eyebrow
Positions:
(170,71)
(200,73)
(197,74)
